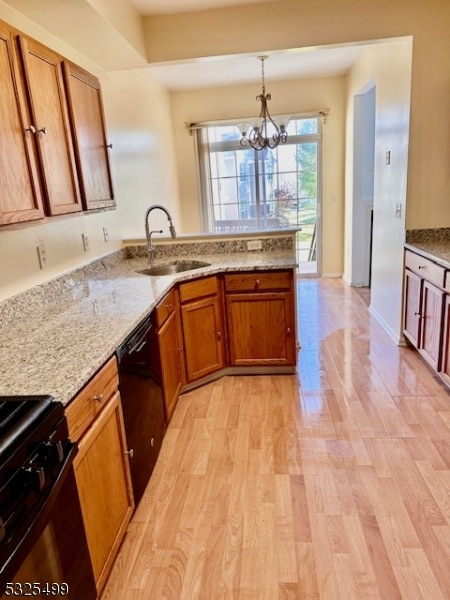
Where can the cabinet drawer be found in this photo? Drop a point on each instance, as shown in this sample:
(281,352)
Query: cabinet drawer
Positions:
(165,308)
(88,403)
(206,286)
(425,268)
(257,281)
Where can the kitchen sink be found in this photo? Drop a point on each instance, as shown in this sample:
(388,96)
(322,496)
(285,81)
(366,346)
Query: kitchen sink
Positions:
(177,266)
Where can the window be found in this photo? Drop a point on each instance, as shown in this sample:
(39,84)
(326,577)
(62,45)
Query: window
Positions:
(243,189)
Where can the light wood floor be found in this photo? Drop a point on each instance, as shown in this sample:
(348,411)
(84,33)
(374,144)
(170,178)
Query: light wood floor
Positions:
(331,485)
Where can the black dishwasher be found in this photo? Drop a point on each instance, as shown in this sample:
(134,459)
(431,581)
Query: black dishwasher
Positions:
(142,404)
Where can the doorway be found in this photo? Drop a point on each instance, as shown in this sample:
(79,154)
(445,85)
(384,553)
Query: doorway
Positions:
(363,185)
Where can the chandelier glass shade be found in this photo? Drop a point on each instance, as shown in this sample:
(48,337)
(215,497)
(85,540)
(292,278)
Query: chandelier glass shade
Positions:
(265,132)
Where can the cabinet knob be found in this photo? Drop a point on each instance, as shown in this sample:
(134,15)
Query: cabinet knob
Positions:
(289,331)
(152,442)
(98,397)
(31,129)
(219,335)
(43,130)
(421,267)
(256,282)
(130,452)
(109,146)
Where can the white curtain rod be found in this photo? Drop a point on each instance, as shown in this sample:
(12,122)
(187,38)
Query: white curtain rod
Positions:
(323,112)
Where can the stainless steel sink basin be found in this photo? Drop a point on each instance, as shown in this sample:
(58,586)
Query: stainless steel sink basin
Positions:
(178,266)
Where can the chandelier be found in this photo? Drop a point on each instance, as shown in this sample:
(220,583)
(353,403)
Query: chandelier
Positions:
(266,133)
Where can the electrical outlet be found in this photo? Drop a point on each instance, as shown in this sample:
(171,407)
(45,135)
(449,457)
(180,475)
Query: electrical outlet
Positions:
(105,234)
(254,245)
(85,241)
(42,255)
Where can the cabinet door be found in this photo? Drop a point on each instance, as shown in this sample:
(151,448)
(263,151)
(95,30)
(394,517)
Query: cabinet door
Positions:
(20,191)
(169,352)
(89,134)
(431,329)
(44,81)
(104,486)
(412,320)
(203,337)
(261,329)
(445,366)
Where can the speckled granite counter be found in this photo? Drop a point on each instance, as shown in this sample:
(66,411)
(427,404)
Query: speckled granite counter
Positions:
(55,336)
(431,243)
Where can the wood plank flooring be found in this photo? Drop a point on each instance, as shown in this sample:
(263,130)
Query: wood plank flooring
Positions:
(333,484)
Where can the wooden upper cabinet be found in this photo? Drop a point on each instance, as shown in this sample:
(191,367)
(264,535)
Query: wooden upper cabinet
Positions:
(89,135)
(20,191)
(48,107)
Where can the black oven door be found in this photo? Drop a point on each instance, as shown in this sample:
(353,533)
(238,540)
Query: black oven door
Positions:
(46,552)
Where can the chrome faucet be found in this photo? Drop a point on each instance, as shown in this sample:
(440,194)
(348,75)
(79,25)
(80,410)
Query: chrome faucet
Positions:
(148,233)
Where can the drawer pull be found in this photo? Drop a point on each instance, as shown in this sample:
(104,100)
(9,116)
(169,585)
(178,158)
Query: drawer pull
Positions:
(130,452)
(422,267)
(98,397)
(219,335)
(257,282)
(152,442)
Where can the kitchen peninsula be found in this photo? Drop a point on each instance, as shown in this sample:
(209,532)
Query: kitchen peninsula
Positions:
(55,336)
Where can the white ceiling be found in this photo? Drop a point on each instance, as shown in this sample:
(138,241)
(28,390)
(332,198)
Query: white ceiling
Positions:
(292,63)
(155,7)
(237,70)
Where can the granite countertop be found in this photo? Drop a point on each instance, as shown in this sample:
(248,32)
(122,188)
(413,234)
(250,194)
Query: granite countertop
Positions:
(55,337)
(431,243)
(438,251)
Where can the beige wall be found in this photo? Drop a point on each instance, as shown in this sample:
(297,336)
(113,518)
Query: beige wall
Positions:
(302,23)
(288,97)
(389,67)
(143,168)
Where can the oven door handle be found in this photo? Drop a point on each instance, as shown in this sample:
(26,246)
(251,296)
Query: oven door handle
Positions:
(38,522)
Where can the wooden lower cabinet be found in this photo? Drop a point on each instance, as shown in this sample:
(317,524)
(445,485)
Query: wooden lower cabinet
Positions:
(101,468)
(412,307)
(170,348)
(202,324)
(431,328)
(166,351)
(261,321)
(445,365)
(425,317)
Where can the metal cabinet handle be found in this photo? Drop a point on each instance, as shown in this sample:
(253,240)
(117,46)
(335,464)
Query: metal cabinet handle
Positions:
(152,442)
(109,146)
(43,130)
(130,452)
(31,129)
(422,267)
(98,397)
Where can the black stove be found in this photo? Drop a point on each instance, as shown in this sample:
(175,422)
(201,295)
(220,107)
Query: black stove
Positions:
(35,452)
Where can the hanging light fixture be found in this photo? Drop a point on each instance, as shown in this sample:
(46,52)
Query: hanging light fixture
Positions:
(266,133)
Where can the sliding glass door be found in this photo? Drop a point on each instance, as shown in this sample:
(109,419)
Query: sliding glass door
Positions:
(244,189)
